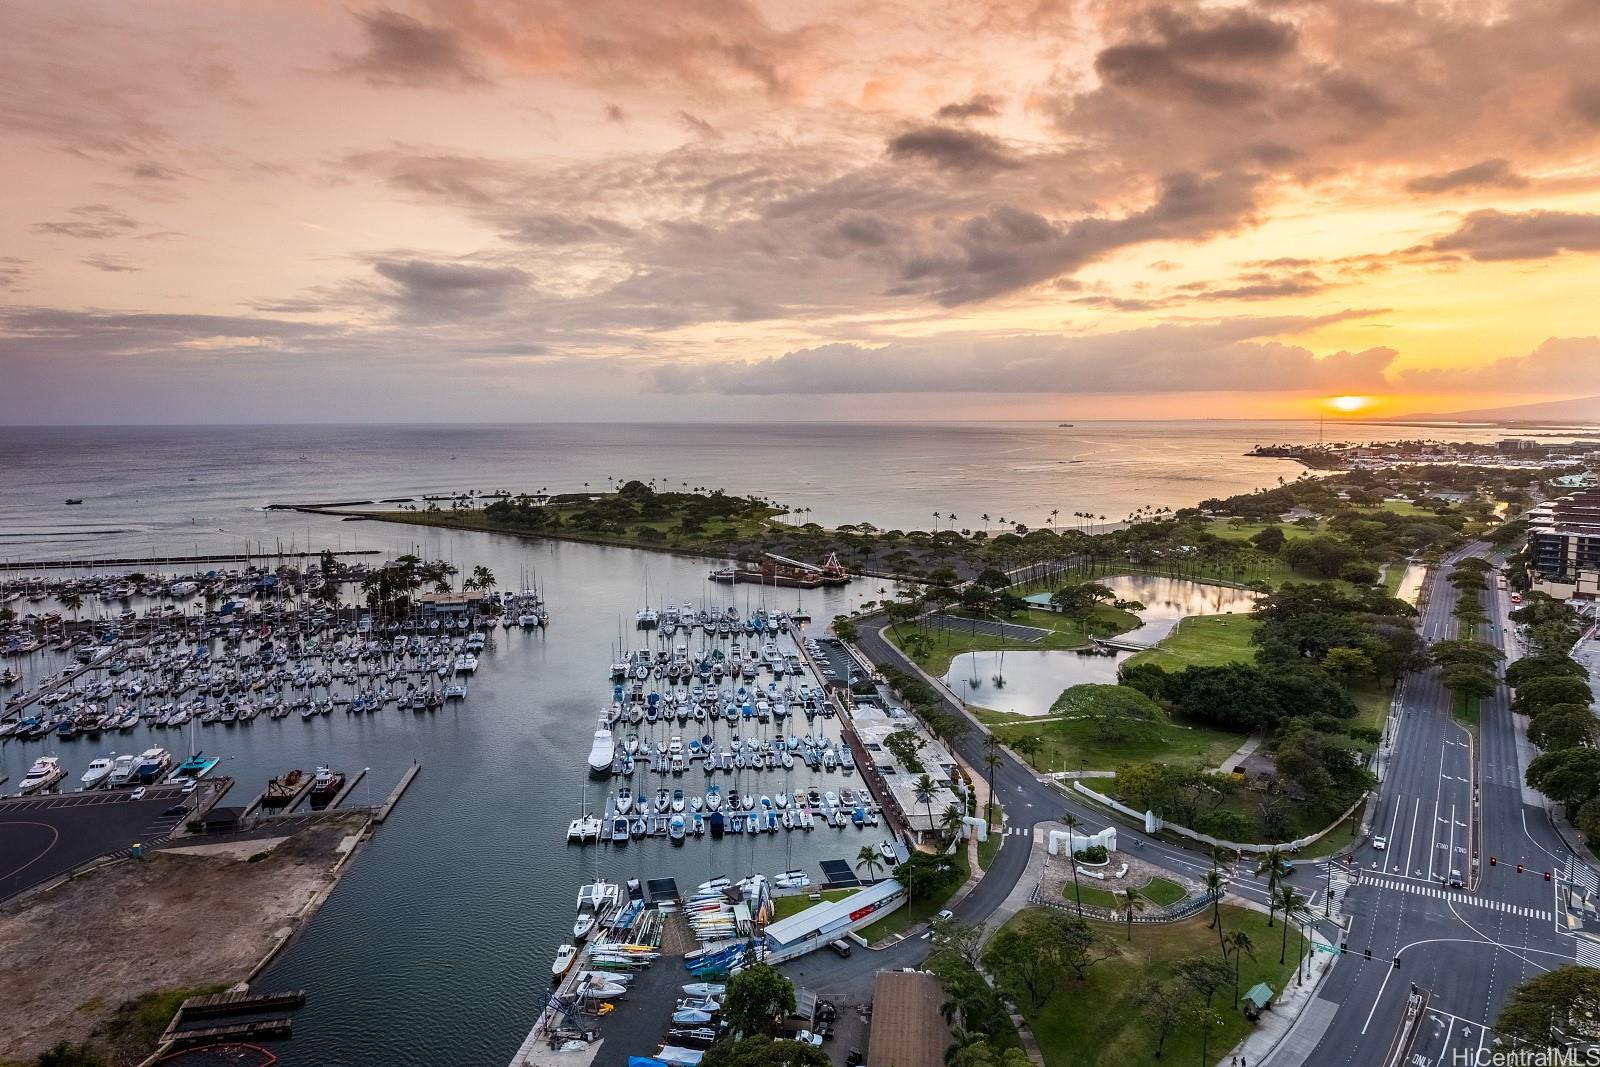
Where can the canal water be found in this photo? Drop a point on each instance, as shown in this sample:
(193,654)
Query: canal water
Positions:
(436,947)
(1035,678)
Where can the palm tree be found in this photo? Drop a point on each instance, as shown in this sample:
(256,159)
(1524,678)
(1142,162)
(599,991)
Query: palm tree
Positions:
(924,788)
(870,859)
(1131,902)
(985,518)
(1271,864)
(1291,902)
(1241,944)
(483,577)
(1214,882)
(950,820)
(1070,821)
(72,600)
(991,760)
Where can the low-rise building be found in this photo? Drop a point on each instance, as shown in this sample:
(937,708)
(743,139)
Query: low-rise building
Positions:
(908,1029)
(811,929)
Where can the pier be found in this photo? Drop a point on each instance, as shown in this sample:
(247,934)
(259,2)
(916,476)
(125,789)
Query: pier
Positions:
(349,785)
(399,789)
(16,704)
(163,561)
(232,1017)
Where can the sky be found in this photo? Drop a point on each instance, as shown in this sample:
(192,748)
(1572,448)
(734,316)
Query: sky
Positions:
(526,210)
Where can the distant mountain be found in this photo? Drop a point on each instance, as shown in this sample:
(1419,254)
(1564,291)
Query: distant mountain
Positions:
(1582,410)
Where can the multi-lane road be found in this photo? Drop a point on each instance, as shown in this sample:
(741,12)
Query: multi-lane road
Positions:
(1466,932)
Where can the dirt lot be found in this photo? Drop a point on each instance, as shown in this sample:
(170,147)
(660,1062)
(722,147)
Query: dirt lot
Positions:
(69,956)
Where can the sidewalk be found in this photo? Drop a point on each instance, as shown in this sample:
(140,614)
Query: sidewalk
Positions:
(1293,1028)
(1242,753)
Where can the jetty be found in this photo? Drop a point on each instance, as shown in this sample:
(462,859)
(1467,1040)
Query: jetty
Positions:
(237,1016)
(399,790)
(163,561)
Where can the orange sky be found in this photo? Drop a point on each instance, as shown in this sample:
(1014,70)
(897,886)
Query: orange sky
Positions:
(532,209)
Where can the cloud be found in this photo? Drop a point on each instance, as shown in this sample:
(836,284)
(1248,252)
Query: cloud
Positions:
(401,50)
(11,272)
(1489,174)
(430,291)
(550,228)
(1229,356)
(1584,99)
(697,125)
(951,148)
(1009,248)
(1497,235)
(109,264)
(1559,364)
(979,105)
(90,222)
(615,114)
(149,170)
(1190,55)
(61,333)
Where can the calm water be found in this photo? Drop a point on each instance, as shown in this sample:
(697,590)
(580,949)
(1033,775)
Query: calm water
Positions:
(436,947)
(1033,679)
(171,490)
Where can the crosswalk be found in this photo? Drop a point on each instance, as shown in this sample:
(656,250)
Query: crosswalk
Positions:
(1017,831)
(1588,953)
(1457,896)
(1338,881)
(1580,875)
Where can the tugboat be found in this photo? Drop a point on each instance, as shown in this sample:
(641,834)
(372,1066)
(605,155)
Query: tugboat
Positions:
(281,789)
(325,786)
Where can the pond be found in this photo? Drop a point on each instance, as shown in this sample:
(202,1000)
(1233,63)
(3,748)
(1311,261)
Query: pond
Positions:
(1033,679)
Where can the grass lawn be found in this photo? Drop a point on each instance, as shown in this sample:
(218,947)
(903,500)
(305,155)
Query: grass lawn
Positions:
(1204,641)
(1158,891)
(1098,1022)
(1225,529)
(932,648)
(1067,743)
(988,849)
(1465,709)
(919,910)
(783,907)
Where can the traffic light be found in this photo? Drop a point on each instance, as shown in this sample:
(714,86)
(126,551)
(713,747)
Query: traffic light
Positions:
(1367,952)
(1547,876)
(1519,868)
(1397,961)
(1493,862)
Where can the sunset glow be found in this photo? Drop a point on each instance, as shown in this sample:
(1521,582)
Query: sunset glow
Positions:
(1348,404)
(530,209)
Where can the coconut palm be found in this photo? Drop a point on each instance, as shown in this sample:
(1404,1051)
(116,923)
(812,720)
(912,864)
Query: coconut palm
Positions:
(483,577)
(1071,822)
(1131,902)
(870,860)
(950,820)
(1239,941)
(1214,883)
(1271,865)
(72,600)
(991,760)
(1291,903)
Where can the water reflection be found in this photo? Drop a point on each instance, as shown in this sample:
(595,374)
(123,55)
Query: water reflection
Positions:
(1033,679)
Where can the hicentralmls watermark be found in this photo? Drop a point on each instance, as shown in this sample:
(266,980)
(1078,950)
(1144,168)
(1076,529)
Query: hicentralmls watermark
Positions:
(1588,1056)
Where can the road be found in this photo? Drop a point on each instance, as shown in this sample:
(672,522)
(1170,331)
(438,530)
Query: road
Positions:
(1465,948)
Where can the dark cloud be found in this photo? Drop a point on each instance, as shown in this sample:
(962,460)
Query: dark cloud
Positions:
(1193,55)
(697,125)
(11,272)
(979,105)
(401,50)
(1009,248)
(109,264)
(1489,174)
(1498,235)
(149,170)
(1236,355)
(90,222)
(615,114)
(951,148)
(431,291)
(1261,285)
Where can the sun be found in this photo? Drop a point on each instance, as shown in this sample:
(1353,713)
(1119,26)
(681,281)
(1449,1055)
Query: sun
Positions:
(1348,404)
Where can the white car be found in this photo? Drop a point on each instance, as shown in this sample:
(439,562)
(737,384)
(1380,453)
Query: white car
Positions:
(137,794)
(1379,844)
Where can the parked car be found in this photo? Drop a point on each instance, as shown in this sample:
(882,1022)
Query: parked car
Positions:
(840,946)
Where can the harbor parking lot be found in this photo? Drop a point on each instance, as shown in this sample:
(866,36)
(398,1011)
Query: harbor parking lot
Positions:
(44,837)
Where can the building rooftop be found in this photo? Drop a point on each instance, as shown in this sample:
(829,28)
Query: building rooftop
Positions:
(801,924)
(907,1029)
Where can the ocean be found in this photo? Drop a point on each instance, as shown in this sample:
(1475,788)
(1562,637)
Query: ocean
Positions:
(170,490)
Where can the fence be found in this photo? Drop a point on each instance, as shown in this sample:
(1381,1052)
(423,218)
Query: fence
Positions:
(1195,835)
(1181,910)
